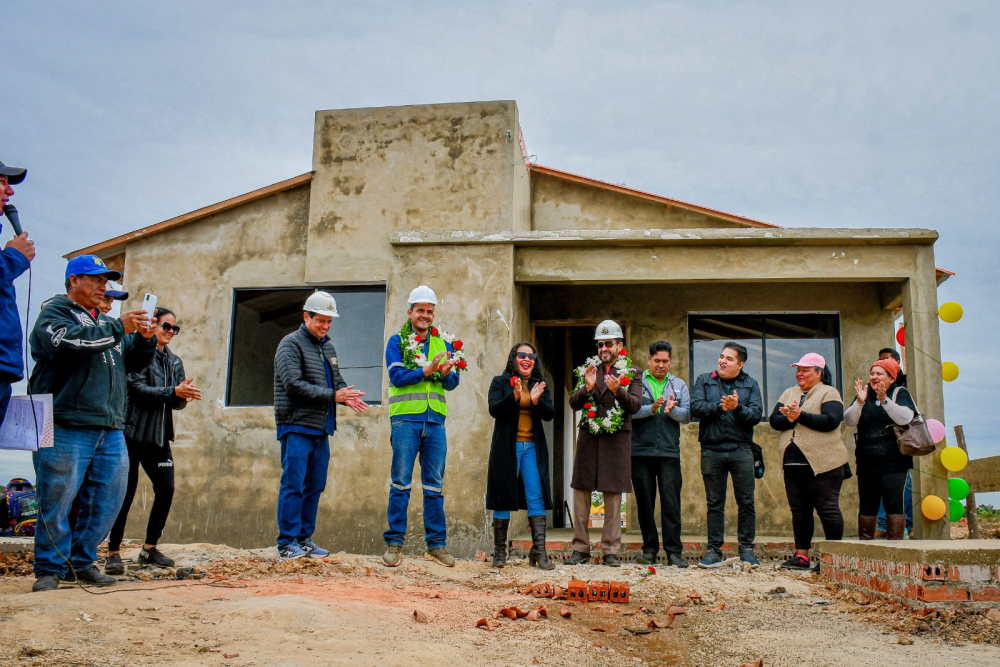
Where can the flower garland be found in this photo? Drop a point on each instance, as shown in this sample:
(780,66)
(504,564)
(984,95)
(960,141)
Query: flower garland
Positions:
(615,417)
(413,352)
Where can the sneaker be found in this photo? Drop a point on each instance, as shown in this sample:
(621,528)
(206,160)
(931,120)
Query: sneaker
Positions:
(393,555)
(46,582)
(796,562)
(746,555)
(90,575)
(114,565)
(578,558)
(152,556)
(676,560)
(611,560)
(313,549)
(441,555)
(290,551)
(712,559)
(647,558)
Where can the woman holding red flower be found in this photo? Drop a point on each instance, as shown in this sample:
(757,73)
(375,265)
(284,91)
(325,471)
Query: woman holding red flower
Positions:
(518,474)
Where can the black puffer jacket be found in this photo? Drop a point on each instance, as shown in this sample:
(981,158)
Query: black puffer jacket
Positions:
(151,398)
(726,430)
(301,394)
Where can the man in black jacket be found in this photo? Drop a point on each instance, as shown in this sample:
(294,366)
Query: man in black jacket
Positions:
(307,387)
(728,403)
(81,358)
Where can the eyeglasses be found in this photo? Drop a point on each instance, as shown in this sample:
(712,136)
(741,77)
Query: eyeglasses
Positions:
(168,328)
(527,355)
(606,343)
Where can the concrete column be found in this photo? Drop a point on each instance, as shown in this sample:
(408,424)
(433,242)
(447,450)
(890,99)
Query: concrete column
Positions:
(923,363)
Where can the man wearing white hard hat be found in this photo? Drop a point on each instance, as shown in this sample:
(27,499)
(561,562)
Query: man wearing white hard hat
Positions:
(307,387)
(420,365)
(607,398)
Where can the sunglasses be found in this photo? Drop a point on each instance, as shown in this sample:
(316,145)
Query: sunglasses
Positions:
(170,328)
(606,343)
(527,355)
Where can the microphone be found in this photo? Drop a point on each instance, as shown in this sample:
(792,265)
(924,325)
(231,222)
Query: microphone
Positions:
(11,212)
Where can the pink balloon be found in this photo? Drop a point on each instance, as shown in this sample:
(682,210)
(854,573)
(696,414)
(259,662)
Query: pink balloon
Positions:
(937,430)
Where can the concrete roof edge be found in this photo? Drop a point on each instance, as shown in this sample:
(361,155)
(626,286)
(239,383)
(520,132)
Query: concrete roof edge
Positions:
(749,236)
(118,243)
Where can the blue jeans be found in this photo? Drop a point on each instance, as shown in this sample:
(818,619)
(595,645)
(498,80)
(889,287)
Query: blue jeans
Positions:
(527,470)
(428,441)
(907,505)
(91,463)
(304,463)
(716,468)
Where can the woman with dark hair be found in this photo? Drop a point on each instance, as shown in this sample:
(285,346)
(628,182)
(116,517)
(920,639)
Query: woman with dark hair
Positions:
(518,475)
(813,455)
(149,429)
(882,468)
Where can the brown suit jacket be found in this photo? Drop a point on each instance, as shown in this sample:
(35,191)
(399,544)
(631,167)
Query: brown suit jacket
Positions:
(603,462)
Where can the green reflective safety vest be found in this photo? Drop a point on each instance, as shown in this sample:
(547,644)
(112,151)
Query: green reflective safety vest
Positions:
(414,399)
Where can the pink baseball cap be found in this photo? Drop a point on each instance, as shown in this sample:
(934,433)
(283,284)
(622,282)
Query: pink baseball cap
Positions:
(811,360)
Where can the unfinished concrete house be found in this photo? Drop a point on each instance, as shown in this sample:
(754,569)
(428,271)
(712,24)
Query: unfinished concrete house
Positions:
(444,195)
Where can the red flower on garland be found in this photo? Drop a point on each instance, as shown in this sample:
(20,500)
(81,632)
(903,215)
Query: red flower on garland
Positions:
(591,414)
(652,570)
(587,406)
(418,339)
(513,382)
(457,345)
(623,353)
(434,331)
(625,381)
(461,364)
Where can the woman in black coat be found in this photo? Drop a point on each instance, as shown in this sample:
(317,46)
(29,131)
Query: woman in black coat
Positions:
(518,476)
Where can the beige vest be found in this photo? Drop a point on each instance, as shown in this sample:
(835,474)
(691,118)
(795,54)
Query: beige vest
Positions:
(824,451)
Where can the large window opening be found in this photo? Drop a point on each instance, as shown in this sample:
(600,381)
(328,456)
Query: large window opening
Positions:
(773,343)
(262,317)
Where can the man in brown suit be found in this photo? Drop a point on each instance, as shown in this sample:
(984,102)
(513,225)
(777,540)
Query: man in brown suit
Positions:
(603,460)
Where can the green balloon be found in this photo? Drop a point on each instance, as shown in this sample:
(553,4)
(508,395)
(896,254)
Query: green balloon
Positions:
(955,510)
(958,488)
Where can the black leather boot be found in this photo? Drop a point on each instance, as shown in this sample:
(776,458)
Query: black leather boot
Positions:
(866,527)
(500,542)
(537,556)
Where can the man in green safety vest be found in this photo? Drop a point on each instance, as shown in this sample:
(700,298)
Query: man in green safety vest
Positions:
(420,367)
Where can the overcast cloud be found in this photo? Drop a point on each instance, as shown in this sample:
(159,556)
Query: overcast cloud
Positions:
(800,113)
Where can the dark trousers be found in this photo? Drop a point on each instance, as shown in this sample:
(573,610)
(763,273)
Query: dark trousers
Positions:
(808,493)
(5,392)
(887,488)
(649,474)
(716,468)
(158,463)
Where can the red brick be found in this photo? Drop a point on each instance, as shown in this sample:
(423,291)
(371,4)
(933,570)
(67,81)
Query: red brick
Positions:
(826,559)
(932,572)
(986,593)
(691,546)
(554,546)
(969,573)
(941,594)
(880,585)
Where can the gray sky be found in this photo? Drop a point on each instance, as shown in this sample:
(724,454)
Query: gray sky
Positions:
(797,113)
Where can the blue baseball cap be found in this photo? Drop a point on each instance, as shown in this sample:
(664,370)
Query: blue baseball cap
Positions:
(90,265)
(117,295)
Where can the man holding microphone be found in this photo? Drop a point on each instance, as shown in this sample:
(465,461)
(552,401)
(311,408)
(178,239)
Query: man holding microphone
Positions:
(14,260)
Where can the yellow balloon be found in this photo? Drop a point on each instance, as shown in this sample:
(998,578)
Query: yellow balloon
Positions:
(933,507)
(954,459)
(950,312)
(949,371)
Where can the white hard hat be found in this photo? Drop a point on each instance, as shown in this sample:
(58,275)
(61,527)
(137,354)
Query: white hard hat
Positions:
(422,294)
(321,303)
(608,330)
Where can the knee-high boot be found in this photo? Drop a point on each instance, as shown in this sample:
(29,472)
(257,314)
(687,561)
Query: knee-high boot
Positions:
(537,556)
(500,542)
(866,527)
(895,524)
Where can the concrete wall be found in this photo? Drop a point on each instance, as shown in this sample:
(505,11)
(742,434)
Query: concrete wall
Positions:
(655,312)
(558,204)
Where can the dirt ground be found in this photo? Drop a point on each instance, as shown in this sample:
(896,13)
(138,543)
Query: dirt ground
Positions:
(350,609)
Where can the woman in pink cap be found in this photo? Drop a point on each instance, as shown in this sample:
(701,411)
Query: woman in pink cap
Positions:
(882,469)
(813,456)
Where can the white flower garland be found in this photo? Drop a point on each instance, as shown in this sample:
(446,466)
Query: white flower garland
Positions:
(615,417)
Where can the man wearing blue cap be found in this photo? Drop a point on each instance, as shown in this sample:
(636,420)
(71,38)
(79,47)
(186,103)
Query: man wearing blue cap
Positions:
(15,258)
(81,358)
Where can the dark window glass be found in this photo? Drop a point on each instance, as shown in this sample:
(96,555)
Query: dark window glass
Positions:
(773,343)
(262,317)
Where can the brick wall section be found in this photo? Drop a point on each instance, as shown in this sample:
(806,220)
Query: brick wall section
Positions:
(916,585)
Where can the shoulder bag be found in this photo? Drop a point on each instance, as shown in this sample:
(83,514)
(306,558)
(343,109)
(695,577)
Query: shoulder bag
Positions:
(913,439)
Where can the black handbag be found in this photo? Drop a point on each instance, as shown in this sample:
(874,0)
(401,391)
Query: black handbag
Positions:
(758,460)
(914,439)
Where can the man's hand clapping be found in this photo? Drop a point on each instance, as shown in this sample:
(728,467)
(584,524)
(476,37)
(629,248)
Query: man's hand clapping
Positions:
(730,402)
(348,394)
(188,391)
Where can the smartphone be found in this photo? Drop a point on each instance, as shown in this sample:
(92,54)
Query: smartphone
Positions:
(149,304)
